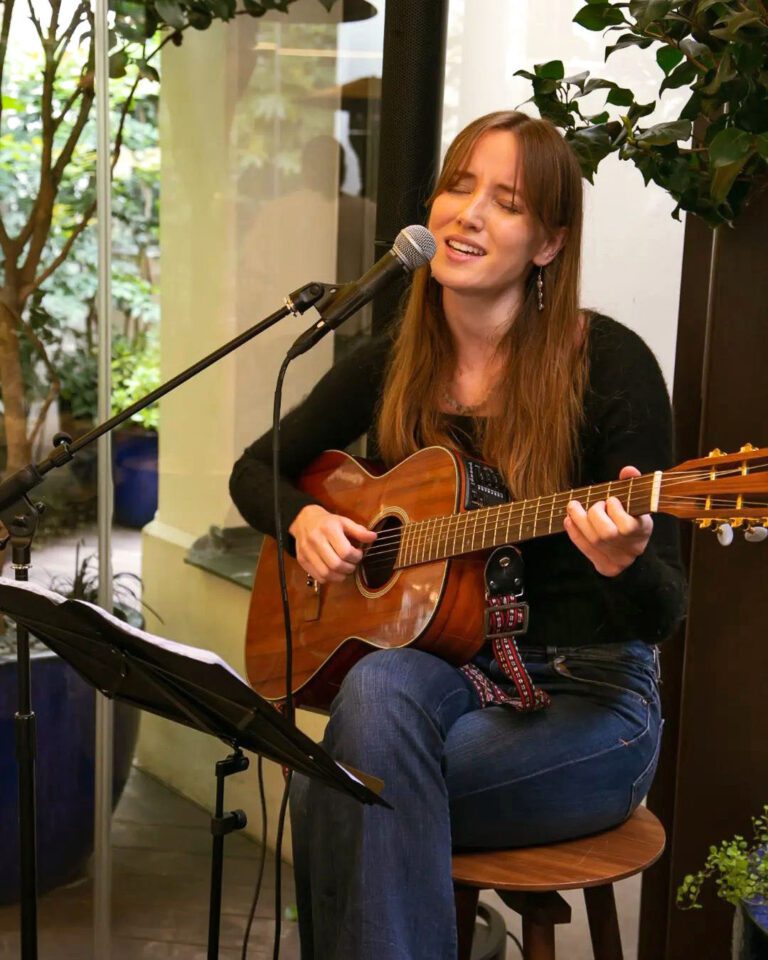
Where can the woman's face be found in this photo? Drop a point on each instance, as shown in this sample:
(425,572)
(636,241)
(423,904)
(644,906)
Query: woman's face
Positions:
(486,237)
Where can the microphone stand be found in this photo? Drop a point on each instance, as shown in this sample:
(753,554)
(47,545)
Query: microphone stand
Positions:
(20,516)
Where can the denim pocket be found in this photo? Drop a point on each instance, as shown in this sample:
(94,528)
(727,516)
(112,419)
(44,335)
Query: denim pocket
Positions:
(642,784)
(606,675)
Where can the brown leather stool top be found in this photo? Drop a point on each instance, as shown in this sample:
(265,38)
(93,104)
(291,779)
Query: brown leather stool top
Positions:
(527,880)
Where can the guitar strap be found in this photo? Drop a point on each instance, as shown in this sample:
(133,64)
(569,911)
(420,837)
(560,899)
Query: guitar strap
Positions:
(506,617)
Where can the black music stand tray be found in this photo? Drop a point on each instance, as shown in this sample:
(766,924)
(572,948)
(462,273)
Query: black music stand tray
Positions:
(185,684)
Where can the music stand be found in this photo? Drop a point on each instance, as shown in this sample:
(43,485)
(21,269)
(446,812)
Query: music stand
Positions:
(184,684)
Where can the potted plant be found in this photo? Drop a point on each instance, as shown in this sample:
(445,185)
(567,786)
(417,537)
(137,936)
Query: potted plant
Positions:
(713,158)
(64,709)
(739,870)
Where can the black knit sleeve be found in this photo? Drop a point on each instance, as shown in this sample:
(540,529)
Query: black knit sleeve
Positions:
(338,410)
(630,424)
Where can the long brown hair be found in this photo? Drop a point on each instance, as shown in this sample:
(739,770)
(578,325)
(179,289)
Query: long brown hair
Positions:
(533,436)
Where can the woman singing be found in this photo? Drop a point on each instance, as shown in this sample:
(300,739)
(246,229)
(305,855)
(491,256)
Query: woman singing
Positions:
(492,356)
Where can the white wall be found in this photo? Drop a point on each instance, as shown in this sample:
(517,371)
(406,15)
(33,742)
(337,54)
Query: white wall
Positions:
(632,252)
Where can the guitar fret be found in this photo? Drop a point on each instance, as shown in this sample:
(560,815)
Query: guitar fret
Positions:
(522,514)
(629,496)
(484,539)
(552,512)
(404,538)
(536,516)
(421,542)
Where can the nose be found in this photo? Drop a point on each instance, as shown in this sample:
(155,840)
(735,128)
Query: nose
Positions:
(470,215)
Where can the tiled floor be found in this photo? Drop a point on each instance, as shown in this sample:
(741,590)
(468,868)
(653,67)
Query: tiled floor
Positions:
(161,883)
(161,864)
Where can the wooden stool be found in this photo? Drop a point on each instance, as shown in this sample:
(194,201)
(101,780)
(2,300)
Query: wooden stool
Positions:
(528,879)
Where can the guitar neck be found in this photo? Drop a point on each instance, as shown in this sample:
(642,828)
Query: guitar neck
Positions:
(440,538)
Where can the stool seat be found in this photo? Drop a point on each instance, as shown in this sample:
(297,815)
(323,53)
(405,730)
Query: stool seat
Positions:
(528,878)
(588,862)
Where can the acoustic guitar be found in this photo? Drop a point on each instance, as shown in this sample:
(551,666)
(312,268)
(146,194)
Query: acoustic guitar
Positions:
(421,582)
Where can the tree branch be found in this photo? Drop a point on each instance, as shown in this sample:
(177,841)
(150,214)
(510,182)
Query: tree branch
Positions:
(36,22)
(62,42)
(5,29)
(55,383)
(54,265)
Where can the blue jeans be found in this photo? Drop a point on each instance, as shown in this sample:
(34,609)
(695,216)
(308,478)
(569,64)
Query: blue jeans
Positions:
(375,884)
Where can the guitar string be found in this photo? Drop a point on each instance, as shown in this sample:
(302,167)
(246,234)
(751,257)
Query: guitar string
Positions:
(381,557)
(384,558)
(435,536)
(391,543)
(550,501)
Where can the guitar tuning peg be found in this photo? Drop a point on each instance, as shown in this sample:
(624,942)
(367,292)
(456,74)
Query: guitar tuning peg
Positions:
(755,534)
(725,534)
(747,448)
(717,452)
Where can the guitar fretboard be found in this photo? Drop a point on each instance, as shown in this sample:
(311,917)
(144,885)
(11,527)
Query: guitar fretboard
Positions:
(440,538)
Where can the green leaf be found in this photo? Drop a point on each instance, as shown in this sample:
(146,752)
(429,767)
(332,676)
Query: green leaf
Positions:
(553,70)
(724,178)
(662,134)
(117,64)
(12,103)
(761,145)
(681,76)
(638,110)
(171,12)
(591,145)
(736,23)
(254,9)
(327,4)
(646,12)
(147,70)
(598,16)
(621,96)
(668,58)
(729,146)
(577,80)
(628,40)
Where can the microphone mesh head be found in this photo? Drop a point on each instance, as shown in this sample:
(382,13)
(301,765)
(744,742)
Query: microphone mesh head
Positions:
(415,246)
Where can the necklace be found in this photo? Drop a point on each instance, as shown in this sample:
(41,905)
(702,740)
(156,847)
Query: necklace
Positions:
(462,409)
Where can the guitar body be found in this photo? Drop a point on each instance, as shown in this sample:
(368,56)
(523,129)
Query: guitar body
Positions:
(428,606)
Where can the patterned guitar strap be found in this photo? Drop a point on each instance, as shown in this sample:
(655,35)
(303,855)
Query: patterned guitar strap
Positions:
(506,617)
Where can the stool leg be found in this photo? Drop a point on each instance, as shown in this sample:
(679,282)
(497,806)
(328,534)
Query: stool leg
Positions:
(603,922)
(538,939)
(466,913)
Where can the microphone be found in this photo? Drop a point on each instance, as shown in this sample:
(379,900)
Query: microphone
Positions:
(414,247)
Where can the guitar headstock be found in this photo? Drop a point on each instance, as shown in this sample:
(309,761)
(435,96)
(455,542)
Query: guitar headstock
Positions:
(723,490)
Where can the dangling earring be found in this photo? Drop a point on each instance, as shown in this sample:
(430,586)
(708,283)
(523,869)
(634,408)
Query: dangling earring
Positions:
(540,289)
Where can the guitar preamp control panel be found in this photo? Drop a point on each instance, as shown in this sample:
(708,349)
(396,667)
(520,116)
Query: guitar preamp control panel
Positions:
(484,486)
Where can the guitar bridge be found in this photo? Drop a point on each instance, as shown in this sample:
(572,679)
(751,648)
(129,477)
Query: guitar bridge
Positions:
(312,600)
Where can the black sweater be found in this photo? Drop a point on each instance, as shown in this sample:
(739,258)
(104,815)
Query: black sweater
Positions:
(627,421)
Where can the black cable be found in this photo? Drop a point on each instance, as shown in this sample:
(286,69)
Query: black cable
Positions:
(280,538)
(278,866)
(516,942)
(262,860)
(289,708)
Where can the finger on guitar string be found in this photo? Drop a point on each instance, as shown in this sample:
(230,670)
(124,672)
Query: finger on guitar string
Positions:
(326,543)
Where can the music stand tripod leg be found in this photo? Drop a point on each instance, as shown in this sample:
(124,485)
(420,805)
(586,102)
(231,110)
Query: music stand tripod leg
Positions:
(222,824)
(21,530)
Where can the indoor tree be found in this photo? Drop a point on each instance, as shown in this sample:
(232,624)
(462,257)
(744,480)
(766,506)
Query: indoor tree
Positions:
(42,219)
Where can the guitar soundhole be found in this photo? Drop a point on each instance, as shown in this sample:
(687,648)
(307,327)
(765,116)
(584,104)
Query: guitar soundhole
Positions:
(378,563)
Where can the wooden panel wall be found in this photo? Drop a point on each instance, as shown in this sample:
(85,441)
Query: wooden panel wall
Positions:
(714,769)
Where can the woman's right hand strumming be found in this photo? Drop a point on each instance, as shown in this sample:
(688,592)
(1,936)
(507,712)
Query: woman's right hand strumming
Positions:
(327,543)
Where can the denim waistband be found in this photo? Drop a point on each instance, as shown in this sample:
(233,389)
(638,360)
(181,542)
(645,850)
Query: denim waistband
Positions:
(631,649)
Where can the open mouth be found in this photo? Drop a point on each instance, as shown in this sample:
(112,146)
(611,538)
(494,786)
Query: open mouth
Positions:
(467,248)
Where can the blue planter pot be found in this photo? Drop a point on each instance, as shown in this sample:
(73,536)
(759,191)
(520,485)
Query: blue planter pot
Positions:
(64,708)
(135,475)
(750,932)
